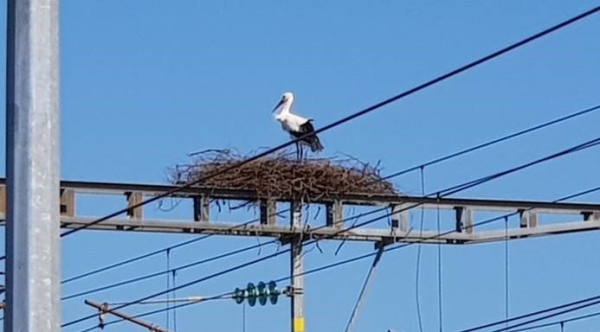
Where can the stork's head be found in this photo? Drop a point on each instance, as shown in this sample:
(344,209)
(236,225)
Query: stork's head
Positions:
(286,100)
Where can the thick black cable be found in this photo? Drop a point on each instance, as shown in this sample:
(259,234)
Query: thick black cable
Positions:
(429,163)
(576,148)
(350,117)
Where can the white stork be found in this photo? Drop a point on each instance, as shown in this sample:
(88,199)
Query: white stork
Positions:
(296,125)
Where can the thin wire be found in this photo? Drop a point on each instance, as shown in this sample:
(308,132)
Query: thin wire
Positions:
(156,274)
(429,163)
(418,267)
(493,142)
(350,117)
(549,316)
(193,282)
(576,148)
(357,258)
(596,300)
(432,162)
(174,296)
(449,191)
(168,304)
(147,255)
(506,261)
(439,252)
(561,322)
(189,265)
(244,317)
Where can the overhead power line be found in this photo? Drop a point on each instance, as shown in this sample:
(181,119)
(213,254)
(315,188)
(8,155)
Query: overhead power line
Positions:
(156,252)
(350,117)
(564,321)
(534,320)
(364,256)
(445,192)
(395,174)
(494,141)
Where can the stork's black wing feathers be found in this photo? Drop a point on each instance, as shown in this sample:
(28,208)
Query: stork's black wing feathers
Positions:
(312,140)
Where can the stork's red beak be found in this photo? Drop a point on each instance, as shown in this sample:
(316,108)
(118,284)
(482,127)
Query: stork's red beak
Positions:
(277,106)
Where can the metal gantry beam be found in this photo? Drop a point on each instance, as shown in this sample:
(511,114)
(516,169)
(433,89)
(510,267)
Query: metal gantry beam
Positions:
(575,217)
(32,167)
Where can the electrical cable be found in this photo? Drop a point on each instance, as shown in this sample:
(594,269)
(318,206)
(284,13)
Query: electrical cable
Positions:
(418,264)
(494,141)
(506,262)
(593,300)
(439,252)
(189,265)
(561,322)
(357,258)
(534,320)
(448,191)
(429,163)
(154,253)
(156,274)
(349,117)
(174,296)
(168,303)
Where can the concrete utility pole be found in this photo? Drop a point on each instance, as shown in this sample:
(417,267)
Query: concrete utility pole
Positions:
(32,167)
(296,268)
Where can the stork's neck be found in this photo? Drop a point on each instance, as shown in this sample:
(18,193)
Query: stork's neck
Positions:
(285,109)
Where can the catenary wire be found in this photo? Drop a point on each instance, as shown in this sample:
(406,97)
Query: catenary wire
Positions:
(429,163)
(361,257)
(148,255)
(189,265)
(387,177)
(448,191)
(567,320)
(494,141)
(535,320)
(159,251)
(351,116)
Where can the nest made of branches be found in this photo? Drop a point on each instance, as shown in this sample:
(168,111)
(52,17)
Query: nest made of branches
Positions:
(281,175)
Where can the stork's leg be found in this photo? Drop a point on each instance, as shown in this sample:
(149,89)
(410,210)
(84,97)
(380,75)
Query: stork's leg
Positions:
(297,151)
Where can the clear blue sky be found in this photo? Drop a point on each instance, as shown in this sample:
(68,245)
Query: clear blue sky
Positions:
(145,82)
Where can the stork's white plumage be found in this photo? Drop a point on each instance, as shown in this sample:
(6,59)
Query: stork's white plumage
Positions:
(296,125)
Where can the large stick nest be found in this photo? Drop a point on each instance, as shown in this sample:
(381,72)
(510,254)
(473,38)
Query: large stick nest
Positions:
(280,175)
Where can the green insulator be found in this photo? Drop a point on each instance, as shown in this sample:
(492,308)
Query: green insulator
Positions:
(239,295)
(263,292)
(252,294)
(273,292)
